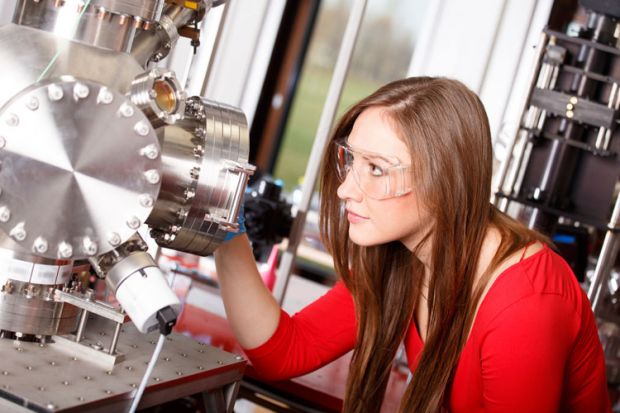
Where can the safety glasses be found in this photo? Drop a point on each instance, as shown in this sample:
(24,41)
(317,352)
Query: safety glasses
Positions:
(377,176)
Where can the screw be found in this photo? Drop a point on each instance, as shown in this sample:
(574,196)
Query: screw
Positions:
(89,246)
(5,214)
(5,373)
(150,151)
(152,176)
(52,363)
(18,232)
(12,120)
(55,93)
(80,91)
(114,239)
(133,223)
(146,200)
(65,250)
(87,378)
(33,103)
(40,245)
(179,373)
(108,392)
(66,383)
(142,129)
(105,96)
(126,110)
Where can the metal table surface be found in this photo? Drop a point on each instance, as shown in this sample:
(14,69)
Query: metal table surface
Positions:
(48,378)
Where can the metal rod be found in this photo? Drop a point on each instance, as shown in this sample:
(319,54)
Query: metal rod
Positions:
(322,134)
(81,326)
(117,333)
(606,258)
(503,170)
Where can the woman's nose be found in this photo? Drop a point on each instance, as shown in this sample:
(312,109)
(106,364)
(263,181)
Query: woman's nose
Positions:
(349,189)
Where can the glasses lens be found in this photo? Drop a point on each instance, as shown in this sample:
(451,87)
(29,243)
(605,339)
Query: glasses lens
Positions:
(376,177)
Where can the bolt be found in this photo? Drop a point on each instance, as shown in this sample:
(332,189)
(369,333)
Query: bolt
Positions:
(126,110)
(89,246)
(18,232)
(66,383)
(141,128)
(87,378)
(105,96)
(200,368)
(150,151)
(33,103)
(40,245)
(52,363)
(179,373)
(108,392)
(114,239)
(152,176)
(133,223)
(55,93)
(5,373)
(156,379)
(51,406)
(65,250)
(146,200)
(41,388)
(573,100)
(12,120)
(5,214)
(80,91)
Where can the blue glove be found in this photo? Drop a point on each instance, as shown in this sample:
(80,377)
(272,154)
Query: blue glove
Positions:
(241,221)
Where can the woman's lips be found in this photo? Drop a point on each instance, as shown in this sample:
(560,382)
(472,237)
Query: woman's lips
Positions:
(355,218)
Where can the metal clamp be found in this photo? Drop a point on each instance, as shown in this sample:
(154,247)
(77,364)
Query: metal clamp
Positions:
(243,172)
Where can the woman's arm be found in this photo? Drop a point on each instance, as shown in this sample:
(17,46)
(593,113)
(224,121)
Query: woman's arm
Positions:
(281,346)
(252,311)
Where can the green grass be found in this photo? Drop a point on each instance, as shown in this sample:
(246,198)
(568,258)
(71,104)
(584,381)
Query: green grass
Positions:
(304,119)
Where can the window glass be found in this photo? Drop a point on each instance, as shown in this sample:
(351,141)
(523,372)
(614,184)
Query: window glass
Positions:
(383,52)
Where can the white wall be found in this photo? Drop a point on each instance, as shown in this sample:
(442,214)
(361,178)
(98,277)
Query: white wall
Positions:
(6,10)
(490,46)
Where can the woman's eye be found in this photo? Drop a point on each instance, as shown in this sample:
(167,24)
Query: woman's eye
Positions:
(375,170)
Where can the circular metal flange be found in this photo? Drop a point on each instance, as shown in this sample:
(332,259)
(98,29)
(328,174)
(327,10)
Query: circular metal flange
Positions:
(79,168)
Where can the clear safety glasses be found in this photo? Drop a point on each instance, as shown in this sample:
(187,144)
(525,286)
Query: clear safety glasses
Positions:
(377,176)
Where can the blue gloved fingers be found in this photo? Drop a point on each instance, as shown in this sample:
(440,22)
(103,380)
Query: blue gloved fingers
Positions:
(241,221)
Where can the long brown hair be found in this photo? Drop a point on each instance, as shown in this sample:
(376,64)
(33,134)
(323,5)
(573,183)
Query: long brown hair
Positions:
(446,129)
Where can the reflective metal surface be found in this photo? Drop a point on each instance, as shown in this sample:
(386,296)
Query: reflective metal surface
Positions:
(45,377)
(63,138)
(204,177)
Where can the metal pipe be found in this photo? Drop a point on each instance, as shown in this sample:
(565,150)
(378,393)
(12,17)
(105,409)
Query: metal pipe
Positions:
(503,170)
(318,148)
(606,258)
(117,333)
(81,326)
(148,44)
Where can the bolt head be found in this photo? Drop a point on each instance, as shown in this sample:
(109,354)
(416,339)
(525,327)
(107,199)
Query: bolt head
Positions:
(126,110)
(55,93)
(114,239)
(5,214)
(18,232)
(146,200)
(65,250)
(89,246)
(80,91)
(105,96)
(40,245)
(133,223)
(33,103)
(152,176)
(141,128)
(150,151)
(12,120)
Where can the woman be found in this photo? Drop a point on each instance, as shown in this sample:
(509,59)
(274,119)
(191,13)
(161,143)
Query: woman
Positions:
(491,318)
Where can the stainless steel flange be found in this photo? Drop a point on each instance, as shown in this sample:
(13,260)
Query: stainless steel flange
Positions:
(205,172)
(78,147)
